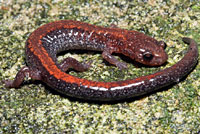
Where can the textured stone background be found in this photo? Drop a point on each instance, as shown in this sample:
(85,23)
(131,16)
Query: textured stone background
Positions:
(35,108)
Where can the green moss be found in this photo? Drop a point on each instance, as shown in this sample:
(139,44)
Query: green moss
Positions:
(34,108)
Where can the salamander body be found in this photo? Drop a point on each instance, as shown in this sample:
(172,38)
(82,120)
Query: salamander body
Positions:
(48,40)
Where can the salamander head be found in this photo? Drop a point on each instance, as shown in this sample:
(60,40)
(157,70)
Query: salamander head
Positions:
(150,53)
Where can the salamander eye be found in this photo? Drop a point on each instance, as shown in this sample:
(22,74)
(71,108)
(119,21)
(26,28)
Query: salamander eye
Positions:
(162,44)
(147,56)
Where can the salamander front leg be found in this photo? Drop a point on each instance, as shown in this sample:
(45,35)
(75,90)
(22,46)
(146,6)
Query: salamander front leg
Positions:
(73,63)
(25,71)
(112,60)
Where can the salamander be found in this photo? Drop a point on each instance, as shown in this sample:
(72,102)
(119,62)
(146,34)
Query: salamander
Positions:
(47,41)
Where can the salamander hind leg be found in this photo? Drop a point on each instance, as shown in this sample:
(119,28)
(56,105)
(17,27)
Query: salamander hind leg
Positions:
(112,60)
(24,72)
(74,64)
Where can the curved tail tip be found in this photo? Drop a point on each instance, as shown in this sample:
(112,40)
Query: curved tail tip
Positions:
(186,40)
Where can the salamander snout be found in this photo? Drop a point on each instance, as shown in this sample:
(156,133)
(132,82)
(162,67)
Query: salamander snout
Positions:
(152,54)
(155,55)
(158,59)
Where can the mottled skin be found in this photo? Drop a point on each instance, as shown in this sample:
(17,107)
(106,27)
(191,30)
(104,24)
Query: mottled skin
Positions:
(50,39)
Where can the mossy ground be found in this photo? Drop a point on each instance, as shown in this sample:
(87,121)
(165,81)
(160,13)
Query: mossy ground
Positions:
(34,109)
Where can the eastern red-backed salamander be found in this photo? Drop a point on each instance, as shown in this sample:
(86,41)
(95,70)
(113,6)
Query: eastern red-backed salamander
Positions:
(52,38)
